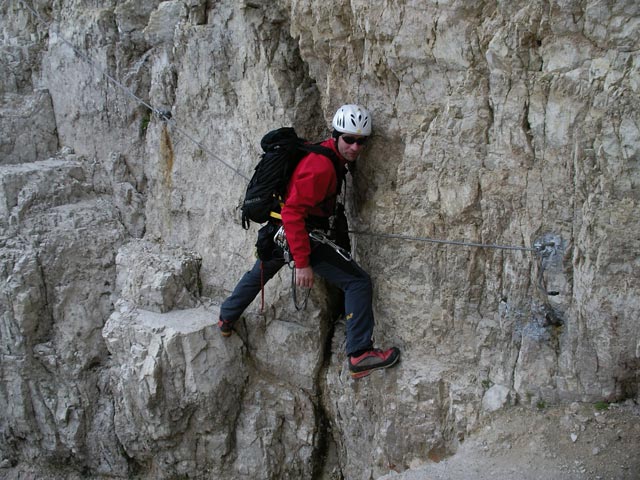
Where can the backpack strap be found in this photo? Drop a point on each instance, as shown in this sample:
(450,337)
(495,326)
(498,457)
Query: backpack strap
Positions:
(331,155)
(324,151)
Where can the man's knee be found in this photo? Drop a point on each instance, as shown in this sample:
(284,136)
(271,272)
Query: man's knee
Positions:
(362,282)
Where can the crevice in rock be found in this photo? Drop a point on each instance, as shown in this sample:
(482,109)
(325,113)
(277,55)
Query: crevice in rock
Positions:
(323,457)
(44,330)
(526,127)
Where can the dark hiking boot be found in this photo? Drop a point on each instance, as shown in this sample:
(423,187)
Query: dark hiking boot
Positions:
(371,360)
(226,327)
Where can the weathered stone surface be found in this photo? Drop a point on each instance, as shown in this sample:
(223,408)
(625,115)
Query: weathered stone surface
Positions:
(495,398)
(163,21)
(495,122)
(32,187)
(277,433)
(28,128)
(157,277)
(116,175)
(193,407)
(178,416)
(395,417)
(58,276)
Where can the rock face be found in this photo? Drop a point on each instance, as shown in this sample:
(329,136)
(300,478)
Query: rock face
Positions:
(502,123)
(28,126)
(158,278)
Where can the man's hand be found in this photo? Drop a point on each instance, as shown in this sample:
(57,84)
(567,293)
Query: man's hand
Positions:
(304,277)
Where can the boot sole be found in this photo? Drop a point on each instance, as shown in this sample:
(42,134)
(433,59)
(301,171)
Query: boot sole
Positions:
(366,373)
(226,328)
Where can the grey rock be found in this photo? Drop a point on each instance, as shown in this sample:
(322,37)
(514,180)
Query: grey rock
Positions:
(157,277)
(179,415)
(32,187)
(501,123)
(28,127)
(497,397)
(163,21)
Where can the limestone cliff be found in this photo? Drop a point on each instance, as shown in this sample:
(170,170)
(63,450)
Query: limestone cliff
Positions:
(501,123)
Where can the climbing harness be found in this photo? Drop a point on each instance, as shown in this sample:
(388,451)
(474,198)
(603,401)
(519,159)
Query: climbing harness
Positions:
(280,239)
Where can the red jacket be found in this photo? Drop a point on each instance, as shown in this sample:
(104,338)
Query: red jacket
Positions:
(311,191)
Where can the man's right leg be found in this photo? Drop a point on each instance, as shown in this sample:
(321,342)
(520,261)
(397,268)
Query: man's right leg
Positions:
(246,290)
(358,291)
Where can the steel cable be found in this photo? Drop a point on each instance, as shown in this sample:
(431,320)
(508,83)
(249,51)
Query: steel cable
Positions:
(166,117)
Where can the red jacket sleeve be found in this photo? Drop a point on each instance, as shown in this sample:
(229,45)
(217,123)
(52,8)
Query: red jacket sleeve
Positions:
(313,180)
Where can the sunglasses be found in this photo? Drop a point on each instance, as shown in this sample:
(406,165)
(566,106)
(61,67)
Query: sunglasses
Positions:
(352,140)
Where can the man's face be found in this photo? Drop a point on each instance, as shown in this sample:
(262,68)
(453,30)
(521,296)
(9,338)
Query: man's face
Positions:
(350,146)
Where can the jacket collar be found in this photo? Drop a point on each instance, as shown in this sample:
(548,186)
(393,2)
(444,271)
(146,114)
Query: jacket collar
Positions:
(333,145)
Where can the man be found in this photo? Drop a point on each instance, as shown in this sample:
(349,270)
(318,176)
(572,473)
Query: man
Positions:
(310,200)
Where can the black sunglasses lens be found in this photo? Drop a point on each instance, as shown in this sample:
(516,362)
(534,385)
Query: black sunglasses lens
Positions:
(352,140)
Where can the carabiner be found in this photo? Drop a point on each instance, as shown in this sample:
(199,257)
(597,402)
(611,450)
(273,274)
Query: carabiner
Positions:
(321,237)
(344,253)
(280,239)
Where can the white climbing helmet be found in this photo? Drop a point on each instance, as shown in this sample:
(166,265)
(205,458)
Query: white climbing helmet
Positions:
(352,119)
